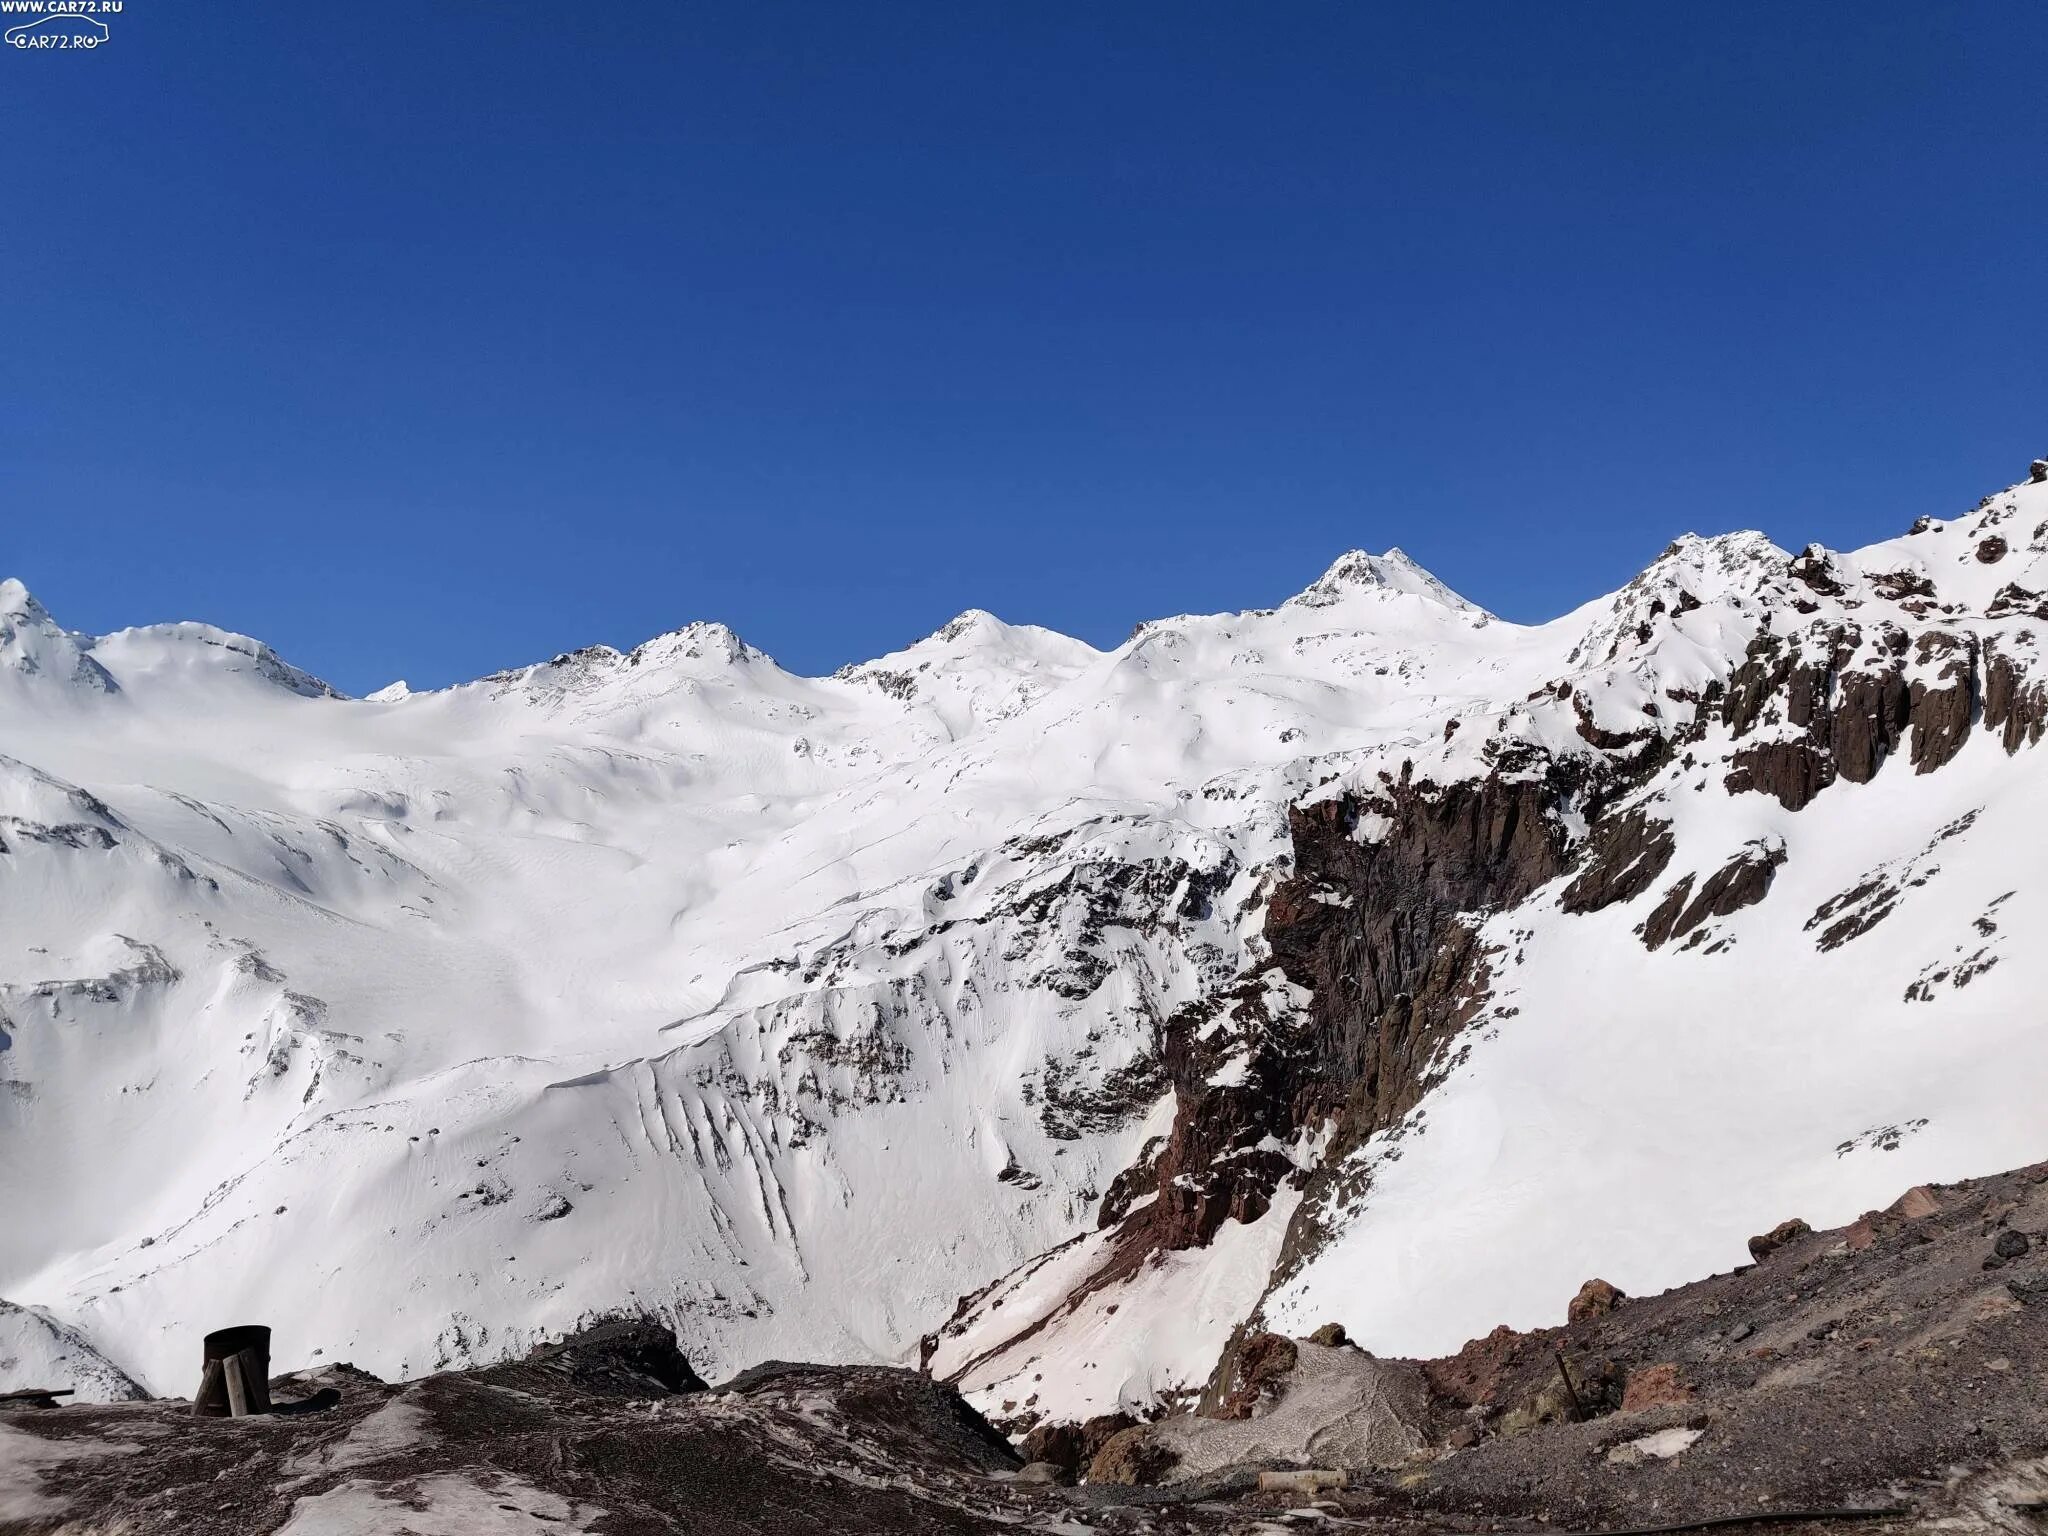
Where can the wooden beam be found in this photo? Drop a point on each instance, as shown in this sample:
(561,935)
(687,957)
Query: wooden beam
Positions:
(211,1400)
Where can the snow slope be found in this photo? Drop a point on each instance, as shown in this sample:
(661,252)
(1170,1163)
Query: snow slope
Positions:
(796,1009)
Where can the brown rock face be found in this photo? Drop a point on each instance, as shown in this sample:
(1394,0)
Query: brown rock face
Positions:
(1742,882)
(1848,723)
(1654,1386)
(1330,1333)
(1133,1458)
(2014,706)
(1793,771)
(1474,1374)
(1764,1245)
(1391,973)
(1871,714)
(1624,858)
(1098,1431)
(1942,715)
(1058,1444)
(1394,972)
(1916,1204)
(1596,1298)
(1261,1362)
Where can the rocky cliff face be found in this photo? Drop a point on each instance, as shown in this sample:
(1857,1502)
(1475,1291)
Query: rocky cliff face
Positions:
(1405,933)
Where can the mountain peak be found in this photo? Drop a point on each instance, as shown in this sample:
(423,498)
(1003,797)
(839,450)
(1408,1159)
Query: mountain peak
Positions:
(1394,573)
(33,644)
(701,640)
(967,622)
(16,601)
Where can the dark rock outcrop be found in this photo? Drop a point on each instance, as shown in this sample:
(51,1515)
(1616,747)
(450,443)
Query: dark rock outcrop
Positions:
(1742,882)
(1396,970)
(1624,857)
(1792,771)
(1764,1244)
(623,1357)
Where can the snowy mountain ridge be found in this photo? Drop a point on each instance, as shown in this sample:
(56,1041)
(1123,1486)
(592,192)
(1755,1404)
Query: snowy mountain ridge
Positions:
(1041,1012)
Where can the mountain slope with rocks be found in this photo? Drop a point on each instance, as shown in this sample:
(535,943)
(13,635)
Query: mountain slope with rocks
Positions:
(1057,1019)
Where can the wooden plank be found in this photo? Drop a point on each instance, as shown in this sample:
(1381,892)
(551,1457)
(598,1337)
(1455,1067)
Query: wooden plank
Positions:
(254,1363)
(211,1399)
(238,1393)
(28,1392)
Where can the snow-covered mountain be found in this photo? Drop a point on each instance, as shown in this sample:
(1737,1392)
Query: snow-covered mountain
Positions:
(1046,1014)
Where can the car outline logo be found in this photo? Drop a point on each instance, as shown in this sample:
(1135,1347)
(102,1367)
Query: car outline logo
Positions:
(19,36)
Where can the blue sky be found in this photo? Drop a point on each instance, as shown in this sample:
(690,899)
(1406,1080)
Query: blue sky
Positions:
(425,339)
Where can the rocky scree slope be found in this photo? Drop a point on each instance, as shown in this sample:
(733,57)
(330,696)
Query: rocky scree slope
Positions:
(1075,1012)
(1896,1365)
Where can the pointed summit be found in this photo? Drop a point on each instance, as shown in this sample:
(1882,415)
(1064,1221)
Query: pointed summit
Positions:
(1391,574)
(33,645)
(704,641)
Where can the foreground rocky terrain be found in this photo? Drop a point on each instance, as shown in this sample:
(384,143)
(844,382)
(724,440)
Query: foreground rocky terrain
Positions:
(1890,1375)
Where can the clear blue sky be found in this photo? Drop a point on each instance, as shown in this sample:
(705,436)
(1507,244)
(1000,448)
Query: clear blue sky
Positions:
(422,339)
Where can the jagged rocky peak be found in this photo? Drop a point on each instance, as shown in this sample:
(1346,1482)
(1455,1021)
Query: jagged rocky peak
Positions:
(1714,564)
(1355,572)
(34,646)
(705,640)
(1736,577)
(973,623)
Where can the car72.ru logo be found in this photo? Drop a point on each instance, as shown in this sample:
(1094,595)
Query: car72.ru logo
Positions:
(57,32)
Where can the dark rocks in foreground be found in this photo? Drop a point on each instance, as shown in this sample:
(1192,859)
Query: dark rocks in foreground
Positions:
(1900,1362)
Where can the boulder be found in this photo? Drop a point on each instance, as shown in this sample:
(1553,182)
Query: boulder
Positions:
(1046,1473)
(1133,1458)
(1596,1298)
(1916,1204)
(1330,1333)
(1097,1432)
(1056,1444)
(1768,1243)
